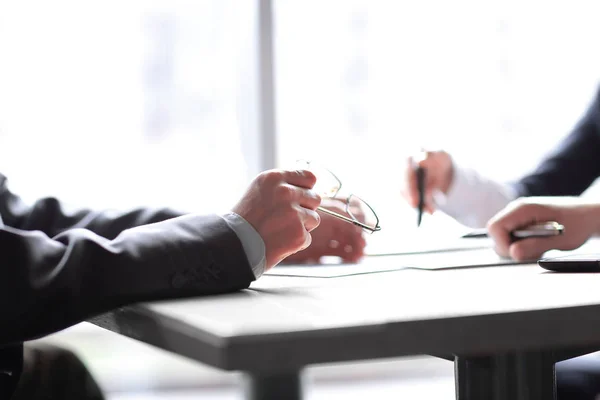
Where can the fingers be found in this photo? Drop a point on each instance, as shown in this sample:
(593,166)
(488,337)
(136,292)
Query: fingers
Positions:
(300,178)
(292,195)
(307,240)
(411,192)
(346,241)
(533,248)
(517,215)
(310,218)
(348,248)
(307,198)
(307,202)
(334,238)
(299,184)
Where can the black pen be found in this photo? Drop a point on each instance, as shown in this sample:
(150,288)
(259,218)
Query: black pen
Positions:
(421,190)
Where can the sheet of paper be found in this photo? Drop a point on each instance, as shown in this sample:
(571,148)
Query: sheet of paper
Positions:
(383,263)
(422,245)
(398,240)
(434,260)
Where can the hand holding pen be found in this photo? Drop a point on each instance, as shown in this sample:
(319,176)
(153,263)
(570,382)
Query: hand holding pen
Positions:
(538,230)
(426,173)
(577,219)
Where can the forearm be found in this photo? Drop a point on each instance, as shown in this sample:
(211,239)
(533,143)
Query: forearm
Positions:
(49,284)
(50,217)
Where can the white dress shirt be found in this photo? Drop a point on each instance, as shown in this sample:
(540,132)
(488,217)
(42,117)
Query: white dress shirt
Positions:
(473,199)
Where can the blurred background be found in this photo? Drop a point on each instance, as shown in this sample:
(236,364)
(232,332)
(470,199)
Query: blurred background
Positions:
(180,103)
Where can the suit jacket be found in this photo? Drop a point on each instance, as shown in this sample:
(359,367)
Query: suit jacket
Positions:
(573,166)
(59,268)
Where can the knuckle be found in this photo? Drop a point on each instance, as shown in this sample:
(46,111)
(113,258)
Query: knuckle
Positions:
(527,211)
(269,177)
(312,198)
(285,193)
(492,226)
(293,216)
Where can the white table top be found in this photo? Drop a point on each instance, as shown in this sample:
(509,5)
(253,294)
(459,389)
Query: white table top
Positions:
(281,304)
(296,321)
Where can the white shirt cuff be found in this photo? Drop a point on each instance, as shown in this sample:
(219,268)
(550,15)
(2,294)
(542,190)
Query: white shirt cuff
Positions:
(253,244)
(473,199)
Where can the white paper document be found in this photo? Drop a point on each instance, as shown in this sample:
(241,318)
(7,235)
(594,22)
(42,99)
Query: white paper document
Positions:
(434,260)
(383,263)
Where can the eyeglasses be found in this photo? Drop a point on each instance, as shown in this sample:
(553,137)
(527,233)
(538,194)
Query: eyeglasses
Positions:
(328,186)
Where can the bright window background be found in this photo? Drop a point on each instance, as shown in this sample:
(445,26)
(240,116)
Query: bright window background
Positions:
(123,103)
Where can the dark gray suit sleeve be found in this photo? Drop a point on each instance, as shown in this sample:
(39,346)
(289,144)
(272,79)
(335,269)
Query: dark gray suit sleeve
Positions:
(49,216)
(49,283)
(573,166)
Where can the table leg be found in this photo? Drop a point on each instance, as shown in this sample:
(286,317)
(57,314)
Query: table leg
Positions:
(514,376)
(273,386)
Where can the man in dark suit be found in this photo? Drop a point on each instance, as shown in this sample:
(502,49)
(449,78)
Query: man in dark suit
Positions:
(61,268)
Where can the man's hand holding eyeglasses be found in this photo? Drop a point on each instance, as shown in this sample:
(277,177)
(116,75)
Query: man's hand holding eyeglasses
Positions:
(281,207)
(333,237)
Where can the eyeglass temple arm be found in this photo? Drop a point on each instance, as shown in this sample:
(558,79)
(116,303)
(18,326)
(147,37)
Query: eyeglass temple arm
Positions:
(344,218)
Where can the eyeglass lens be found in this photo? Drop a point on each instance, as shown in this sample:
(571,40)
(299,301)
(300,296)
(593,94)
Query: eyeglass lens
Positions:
(360,211)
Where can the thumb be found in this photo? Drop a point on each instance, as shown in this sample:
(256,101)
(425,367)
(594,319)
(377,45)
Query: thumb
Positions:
(533,248)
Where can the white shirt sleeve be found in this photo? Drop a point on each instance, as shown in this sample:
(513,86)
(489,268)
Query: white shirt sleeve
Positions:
(473,199)
(253,244)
